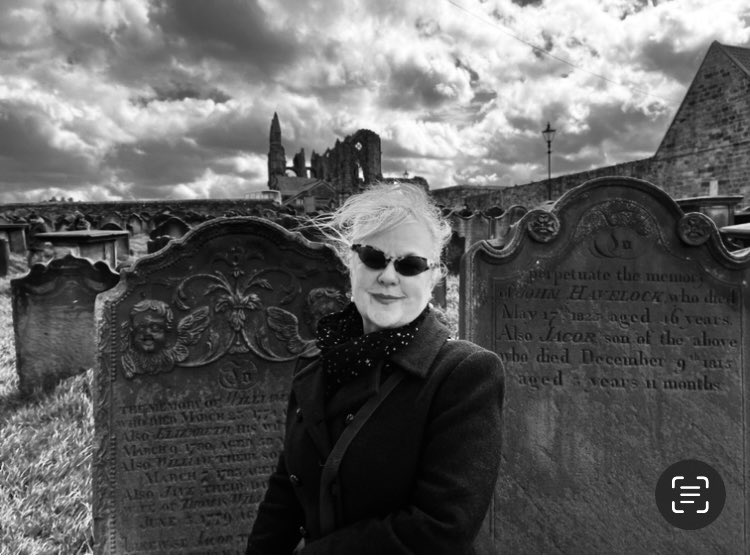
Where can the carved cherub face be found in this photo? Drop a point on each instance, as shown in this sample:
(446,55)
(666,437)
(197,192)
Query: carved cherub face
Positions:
(322,302)
(149,331)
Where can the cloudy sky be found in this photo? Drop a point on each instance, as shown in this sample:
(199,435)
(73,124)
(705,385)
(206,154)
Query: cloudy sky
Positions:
(129,99)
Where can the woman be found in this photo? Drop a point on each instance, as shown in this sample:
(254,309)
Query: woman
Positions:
(393,434)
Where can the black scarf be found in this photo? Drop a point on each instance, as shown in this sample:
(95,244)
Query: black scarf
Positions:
(346,352)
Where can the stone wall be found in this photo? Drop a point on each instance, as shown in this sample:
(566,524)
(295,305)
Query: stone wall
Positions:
(707,142)
(534,194)
(709,138)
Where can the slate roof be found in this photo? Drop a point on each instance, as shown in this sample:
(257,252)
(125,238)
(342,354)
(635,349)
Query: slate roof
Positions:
(740,56)
(316,187)
(291,186)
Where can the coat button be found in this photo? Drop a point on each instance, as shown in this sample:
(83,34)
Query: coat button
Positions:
(302,531)
(298,412)
(349,419)
(294,479)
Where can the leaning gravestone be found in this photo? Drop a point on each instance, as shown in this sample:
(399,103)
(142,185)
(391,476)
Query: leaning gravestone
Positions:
(53,319)
(621,324)
(197,347)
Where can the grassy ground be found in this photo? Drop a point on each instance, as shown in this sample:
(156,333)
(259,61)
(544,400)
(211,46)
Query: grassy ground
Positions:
(45,449)
(45,452)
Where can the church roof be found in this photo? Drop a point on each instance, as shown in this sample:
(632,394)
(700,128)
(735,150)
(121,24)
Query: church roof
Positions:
(291,186)
(314,187)
(739,55)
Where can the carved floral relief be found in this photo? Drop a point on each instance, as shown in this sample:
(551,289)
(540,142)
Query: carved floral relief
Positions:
(233,311)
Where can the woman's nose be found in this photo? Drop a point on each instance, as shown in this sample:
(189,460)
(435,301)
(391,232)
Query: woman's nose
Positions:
(389,274)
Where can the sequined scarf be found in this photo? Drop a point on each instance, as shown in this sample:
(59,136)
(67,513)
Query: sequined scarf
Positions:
(346,352)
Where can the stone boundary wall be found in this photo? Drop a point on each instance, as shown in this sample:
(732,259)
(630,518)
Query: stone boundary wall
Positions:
(534,194)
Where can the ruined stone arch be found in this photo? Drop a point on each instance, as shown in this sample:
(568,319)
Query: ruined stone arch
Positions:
(367,153)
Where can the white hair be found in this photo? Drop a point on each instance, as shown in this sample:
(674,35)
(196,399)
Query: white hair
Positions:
(380,207)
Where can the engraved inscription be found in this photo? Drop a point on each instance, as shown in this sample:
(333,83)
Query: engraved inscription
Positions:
(197,466)
(618,328)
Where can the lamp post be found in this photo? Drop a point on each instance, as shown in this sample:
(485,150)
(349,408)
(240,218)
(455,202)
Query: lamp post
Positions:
(549,135)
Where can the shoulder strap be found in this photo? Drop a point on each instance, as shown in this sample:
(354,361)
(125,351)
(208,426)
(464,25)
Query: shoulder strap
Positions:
(333,462)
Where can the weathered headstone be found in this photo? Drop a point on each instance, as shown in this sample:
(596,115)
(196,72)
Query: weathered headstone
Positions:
(440,294)
(197,347)
(93,244)
(453,252)
(621,322)
(4,258)
(53,319)
(472,226)
(500,226)
(719,208)
(15,234)
(111,226)
(122,243)
(158,243)
(172,226)
(107,218)
(135,224)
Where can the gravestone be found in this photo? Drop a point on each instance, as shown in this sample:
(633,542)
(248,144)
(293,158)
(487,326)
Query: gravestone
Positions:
(53,319)
(452,253)
(92,244)
(109,218)
(621,324)
(197,347)
(500,226)
(472,226)
(172,226)
(719,208)
(135,224)
(158,243)
(4,257)
(15,235)
(111,226)
(440,293)
(122,243)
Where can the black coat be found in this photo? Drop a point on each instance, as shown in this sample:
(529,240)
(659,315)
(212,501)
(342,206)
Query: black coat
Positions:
(416,476)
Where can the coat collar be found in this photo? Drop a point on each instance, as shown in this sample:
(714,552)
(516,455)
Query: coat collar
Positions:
(416,359)
(419,355)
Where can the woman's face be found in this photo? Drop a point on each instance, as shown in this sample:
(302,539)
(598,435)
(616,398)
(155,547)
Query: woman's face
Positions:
(385,298)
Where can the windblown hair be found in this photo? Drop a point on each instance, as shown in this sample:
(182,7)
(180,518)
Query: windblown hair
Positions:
(379,208)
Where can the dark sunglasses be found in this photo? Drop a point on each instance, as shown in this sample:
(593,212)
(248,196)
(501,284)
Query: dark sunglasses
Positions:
(410,265)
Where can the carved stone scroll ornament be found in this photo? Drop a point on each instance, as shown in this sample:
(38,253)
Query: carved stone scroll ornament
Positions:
(694,228)
(542,226)
(151,344)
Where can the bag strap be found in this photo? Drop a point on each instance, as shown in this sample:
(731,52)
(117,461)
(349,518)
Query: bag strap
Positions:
(333,462)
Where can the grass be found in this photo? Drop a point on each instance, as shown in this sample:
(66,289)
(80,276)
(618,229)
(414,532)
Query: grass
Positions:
(45,455)
(45,448)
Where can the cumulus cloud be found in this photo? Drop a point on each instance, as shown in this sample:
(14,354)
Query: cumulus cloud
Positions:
(118,99)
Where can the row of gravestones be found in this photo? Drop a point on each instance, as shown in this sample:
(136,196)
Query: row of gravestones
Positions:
(620,321)
(468,227)
(135,223)
(40,249)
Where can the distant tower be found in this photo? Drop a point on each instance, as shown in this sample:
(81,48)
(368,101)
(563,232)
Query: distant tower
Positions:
(276,156)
